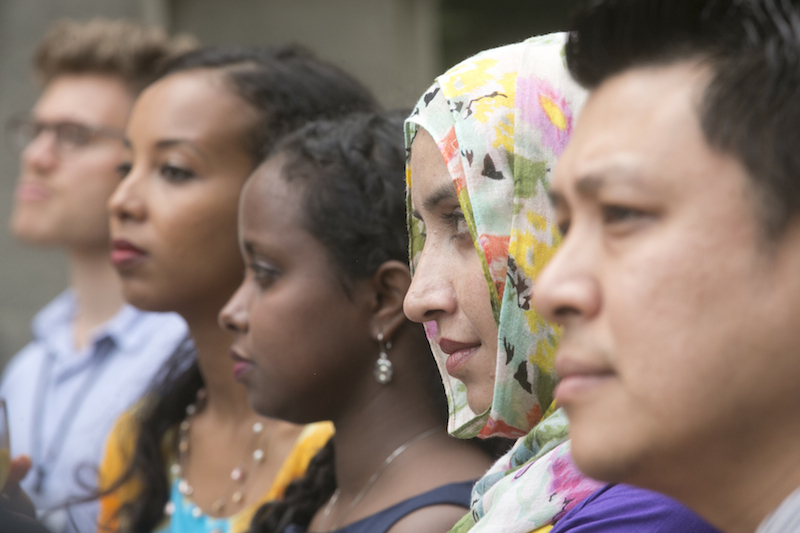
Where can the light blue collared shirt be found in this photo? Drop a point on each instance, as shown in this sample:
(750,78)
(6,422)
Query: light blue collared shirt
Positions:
(785,518)
(79,395)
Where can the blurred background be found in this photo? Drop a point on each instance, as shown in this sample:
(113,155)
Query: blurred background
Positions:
(396,47)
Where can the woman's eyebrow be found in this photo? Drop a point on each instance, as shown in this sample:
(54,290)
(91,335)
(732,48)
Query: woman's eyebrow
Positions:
(445,192)
(164,144)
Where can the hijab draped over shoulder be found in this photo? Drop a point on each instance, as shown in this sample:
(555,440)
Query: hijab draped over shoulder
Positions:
(500,120)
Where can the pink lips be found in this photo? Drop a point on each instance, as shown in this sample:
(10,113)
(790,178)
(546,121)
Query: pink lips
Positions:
(31,192)
(241,366)
(123,253)
(459,353)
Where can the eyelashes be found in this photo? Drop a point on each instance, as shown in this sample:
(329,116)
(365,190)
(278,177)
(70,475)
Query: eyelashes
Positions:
(457,222)
(453,223)
(171,173)
(615,214)
(263,275)
(614,217)
(175,173)
(123,169)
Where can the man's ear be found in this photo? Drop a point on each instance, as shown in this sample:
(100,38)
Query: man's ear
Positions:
(390,283)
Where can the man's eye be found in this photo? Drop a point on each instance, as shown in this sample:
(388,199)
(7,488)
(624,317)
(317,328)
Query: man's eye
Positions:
(613,214)
(123,169)
(73,134)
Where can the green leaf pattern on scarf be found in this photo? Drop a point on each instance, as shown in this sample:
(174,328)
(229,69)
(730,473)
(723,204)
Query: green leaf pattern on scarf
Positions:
(501,119)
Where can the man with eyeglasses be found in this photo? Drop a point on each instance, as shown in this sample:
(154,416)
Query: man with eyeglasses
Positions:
(92,356)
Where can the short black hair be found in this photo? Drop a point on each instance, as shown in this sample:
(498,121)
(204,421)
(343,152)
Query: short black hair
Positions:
(352,172)
(751,107)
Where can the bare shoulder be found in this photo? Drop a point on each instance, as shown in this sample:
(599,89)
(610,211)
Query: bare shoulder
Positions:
(432,519)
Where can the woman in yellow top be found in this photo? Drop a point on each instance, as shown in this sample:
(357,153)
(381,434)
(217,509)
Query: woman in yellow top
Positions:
(206,459)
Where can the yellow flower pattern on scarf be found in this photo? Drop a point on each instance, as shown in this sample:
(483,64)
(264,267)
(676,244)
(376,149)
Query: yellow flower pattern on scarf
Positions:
(500,120)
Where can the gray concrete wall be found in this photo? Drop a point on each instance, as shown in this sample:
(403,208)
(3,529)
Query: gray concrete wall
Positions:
(392,45)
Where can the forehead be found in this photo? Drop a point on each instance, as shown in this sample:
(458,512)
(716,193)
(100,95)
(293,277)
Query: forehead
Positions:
(270,204)
(429,174)
(193,105)
(93,99)
(644,121)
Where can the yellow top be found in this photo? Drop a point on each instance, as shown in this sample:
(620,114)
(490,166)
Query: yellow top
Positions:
(119,450)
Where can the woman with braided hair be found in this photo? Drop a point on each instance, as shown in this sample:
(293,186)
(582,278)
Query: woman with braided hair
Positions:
(193,457)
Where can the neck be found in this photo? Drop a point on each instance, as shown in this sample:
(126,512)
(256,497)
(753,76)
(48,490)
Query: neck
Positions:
(97,289)
(368,434)
(227,399)
(737,499)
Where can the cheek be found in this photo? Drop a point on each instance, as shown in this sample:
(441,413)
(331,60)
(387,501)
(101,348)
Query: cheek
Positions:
(97,172)
(674,309)
(294,325)
(303,351)
(201,235)
(475,301)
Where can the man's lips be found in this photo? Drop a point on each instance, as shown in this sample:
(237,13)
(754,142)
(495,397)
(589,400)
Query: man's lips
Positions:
(124,253)
(31,192)
(459,353)
(241,365)
(578,378)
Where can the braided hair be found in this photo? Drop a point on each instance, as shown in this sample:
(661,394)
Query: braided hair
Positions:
(287,86)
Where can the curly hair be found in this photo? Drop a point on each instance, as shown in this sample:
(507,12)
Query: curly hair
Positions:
(133,52)
(352,176)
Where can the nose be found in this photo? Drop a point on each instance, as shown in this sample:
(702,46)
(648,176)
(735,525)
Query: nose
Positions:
(431,293)
(235,316)
(567,289)
(129,199)
(41,154)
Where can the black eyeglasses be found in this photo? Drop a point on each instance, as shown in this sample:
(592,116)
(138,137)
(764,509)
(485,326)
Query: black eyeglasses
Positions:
(68,135)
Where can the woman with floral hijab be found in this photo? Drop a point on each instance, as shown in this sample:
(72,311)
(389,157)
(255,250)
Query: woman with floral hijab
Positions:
(483,143)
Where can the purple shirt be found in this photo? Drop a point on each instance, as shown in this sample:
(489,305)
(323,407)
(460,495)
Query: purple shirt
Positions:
(627,509)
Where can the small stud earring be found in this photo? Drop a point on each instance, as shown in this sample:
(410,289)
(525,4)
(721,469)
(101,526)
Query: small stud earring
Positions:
(383,367)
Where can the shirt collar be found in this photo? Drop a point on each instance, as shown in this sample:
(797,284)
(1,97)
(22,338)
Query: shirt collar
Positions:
(52,326)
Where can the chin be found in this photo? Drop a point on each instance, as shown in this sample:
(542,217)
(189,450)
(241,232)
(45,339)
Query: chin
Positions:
(479,401)
(269,410)
(143,297)
(29,234)
(259,405)
(604,459)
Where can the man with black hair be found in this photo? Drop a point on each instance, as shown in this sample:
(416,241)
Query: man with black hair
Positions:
(678,280)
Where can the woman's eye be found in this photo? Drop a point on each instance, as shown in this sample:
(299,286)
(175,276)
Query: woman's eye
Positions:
(563,227)
(123,169)
(422,231)
(458,223)
(263,275)
(176,174)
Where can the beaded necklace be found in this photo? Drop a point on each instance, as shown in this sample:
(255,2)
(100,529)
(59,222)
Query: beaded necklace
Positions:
(239,475)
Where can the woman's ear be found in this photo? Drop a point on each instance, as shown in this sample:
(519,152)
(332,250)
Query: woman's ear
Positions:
(390,283)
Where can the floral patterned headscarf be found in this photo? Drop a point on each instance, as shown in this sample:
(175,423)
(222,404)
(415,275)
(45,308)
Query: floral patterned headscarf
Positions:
(500,120)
